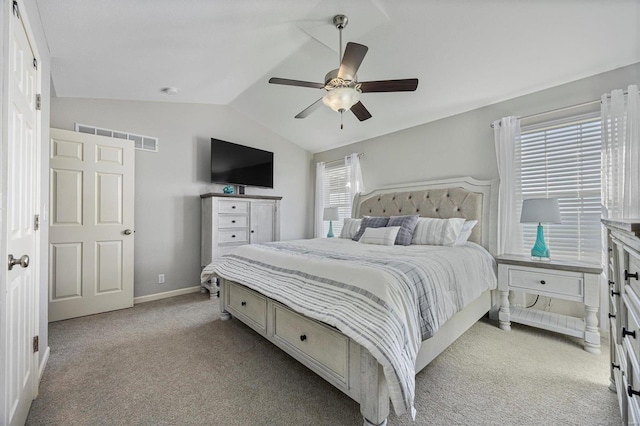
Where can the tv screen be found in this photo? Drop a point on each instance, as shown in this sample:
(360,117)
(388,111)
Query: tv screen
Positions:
(240,165)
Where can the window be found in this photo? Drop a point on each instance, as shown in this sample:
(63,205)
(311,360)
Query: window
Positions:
(562,159)
(337,193)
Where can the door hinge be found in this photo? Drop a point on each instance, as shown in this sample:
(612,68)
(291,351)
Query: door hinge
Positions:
(36,222)
(16,10)
(36,344)
(38,101)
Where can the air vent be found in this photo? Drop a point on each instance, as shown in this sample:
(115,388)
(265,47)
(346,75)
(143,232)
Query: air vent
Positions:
(143,143)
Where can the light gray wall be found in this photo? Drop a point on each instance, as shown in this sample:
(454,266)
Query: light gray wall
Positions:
(169,182)
(463,145)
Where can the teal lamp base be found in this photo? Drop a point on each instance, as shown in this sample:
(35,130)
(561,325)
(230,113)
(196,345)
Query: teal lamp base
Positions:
(330,233)
(540,250)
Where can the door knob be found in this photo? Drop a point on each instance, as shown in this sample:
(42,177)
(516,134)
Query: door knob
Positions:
(23,261)
(127,232)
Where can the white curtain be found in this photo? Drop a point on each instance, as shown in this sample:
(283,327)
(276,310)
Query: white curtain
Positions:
(319,206)
(507,139)
(621,153)
(354,180)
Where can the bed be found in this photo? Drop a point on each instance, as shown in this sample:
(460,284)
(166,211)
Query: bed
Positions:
(348,310)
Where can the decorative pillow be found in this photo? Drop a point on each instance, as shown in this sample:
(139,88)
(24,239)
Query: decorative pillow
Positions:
(384,236)
(465,232)
(407,225)
(437,232)
(350,227)
(370,222)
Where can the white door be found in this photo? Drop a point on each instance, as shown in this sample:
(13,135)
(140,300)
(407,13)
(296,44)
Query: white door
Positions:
(20,189)
(262,221)
(90,224)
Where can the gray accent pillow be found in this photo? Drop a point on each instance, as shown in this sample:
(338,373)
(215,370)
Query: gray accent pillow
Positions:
(407,225)
(370,222)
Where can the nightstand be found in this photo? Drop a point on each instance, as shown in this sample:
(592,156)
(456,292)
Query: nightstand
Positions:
(558,279)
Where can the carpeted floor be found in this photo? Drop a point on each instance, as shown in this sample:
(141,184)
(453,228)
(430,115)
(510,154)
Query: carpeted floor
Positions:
(173,362)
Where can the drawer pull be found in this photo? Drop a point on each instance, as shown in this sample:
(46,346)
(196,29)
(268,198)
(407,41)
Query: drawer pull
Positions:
(611,316)
(252,231)
(610,249)
(543,282)
(613,366)
(233,236)
(631,392)
(614,293)
(612,283)
(233,207)
(303,337)
(627,275)
(626,332)
(243,303)
(233,221)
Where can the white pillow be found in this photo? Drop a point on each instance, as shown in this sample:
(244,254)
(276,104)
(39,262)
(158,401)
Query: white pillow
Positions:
(465,232)
(350,227)
(385,236)
(437,232)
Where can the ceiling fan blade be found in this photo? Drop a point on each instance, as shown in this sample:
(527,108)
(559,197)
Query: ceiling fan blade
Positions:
(287,82)
(308,110)
(406,85)
(360,111)
(351,60)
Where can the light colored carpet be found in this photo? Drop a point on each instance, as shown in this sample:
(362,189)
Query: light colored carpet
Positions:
(173,362)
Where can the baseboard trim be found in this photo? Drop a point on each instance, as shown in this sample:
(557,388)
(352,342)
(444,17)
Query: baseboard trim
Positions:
(165,294)
(43,364)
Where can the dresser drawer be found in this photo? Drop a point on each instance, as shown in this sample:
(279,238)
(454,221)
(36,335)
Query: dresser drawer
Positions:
(250,305)
(227,206)
(633,268)
(631,331)
(222,250)
(240,235)
(547,282)
(233,221)
(318,343)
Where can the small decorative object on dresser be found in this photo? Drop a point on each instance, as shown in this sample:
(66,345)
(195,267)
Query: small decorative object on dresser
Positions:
(331,214)
(228,189)
(623,272)
(564,280)
(540,210)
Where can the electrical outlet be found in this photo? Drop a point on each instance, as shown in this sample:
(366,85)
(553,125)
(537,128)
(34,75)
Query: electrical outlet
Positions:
(161,279)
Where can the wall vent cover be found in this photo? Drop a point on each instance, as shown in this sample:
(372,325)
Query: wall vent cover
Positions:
(141,142)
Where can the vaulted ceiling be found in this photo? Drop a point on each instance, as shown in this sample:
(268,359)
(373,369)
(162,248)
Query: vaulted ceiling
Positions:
(466,54)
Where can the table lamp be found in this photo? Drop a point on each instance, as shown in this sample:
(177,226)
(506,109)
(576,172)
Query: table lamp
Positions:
(540,210)
(330,214)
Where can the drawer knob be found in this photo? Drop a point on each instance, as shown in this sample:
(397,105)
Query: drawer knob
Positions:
(252,231)
(627,275)
(543,282)
(243,303)
(303,337)
(611,316)
(233,236)
(612,283)
(233,221)
(631,392)
(613,366)
(626,332)
(614,293)
(233,207)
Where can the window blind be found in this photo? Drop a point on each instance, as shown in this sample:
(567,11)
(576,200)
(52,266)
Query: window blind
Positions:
(562,159)
(336,193)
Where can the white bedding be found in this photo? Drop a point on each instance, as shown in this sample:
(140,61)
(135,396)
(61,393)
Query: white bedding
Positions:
(386,298)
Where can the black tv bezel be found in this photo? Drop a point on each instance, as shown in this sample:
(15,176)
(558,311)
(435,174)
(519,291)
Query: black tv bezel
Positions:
(243,147)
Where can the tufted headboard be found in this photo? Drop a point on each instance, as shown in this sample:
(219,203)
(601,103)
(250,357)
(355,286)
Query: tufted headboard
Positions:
(459,197)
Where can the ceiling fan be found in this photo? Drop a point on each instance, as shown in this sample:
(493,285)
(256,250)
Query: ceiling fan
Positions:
(342,86)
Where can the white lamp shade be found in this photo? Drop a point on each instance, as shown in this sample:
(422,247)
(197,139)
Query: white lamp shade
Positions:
(540,210)
(341,99)
(331,213)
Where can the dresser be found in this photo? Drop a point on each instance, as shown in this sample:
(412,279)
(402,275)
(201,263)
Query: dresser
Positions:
(623,273)
(558,279)
(231,220)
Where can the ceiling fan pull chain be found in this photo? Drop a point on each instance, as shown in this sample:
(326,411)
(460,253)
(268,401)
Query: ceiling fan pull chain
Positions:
(341,123)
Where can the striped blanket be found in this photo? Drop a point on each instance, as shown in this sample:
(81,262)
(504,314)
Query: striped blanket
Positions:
(386,298)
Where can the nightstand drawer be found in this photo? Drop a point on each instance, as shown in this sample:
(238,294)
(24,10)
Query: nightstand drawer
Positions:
(547,282)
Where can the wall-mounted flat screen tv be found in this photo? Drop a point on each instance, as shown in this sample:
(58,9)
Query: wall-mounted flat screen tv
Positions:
(236,164)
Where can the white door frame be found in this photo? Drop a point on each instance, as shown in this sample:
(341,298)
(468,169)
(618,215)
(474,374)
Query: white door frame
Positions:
(6,17)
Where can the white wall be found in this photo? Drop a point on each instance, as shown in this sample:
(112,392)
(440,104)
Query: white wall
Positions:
(169,182)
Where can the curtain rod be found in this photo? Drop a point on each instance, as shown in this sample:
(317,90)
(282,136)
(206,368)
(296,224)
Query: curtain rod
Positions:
(584,104)
(360,155)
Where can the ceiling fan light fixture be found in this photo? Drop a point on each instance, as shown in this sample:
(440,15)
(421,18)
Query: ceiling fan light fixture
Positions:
(341,99)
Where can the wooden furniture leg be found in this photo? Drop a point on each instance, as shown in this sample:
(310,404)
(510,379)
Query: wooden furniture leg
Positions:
(374,401)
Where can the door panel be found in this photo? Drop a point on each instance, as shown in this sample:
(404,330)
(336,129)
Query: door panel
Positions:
(92,195)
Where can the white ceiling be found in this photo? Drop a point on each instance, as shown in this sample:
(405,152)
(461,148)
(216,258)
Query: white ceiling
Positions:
(466,54)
